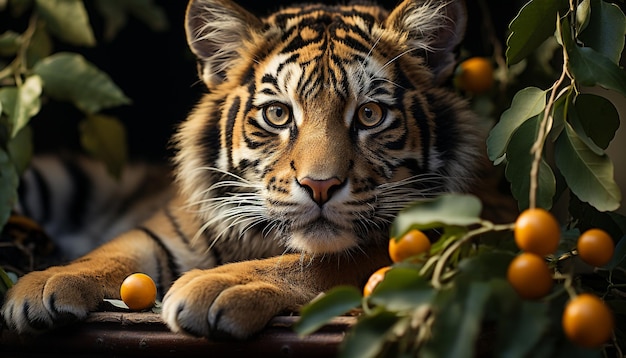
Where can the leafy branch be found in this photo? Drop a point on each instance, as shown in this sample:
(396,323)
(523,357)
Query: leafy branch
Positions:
(444,258)
(30,71)
(566,117)
(545,125)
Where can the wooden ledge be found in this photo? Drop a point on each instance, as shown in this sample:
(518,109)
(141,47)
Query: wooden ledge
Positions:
(117,334)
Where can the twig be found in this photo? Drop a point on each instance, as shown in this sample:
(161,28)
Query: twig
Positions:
(18,66)
(545,126)
(486,226)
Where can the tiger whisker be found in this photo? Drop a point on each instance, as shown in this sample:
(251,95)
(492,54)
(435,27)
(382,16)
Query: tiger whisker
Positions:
(388,81)
(388,63)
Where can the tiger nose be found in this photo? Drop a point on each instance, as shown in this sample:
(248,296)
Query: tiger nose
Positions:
(320,190)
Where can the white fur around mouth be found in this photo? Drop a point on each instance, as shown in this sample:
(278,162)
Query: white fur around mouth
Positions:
(322,237)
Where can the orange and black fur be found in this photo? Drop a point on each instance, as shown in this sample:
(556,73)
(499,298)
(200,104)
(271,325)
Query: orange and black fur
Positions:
(319,125)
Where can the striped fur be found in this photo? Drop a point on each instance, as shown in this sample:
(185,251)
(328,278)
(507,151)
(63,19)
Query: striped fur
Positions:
(81,206)
(319,125)
(323,63)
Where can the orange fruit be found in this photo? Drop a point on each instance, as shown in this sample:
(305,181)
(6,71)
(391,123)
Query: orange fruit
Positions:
(412,243)
(374,280)
(595,247)
(530,276)
(587,321)
(537,231)
(138,291)
(475,75)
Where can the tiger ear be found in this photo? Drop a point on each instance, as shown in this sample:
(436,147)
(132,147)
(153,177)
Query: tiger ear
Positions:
(433,27)
(216,30)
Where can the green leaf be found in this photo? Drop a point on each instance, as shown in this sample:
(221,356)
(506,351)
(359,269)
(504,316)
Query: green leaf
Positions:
(333,303)
(577,126)
(598,117)
(446,210)
(115,13)
(559,114)
(591,68)
(606,30)
(485,266)
(21,103)
(68,20)
(526,104)
(9,43)
(458,322)
(69,77)
(40,45)
(402,289)
(534,23)
(589,176)
(104,137)
(8,187)
(519,165)
(368,336)
(583,15)
(529,320)
(5,283)
(619,255)
(588,217)
(117,303)
(21,149)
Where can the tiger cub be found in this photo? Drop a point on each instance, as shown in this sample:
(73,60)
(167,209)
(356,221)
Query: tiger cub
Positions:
(320,123)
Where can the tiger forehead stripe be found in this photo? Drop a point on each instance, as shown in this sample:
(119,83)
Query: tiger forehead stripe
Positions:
(342,33)
(290,17)
(308,34)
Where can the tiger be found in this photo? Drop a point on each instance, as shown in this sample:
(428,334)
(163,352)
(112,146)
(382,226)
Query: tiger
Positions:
(318,125)
(79,205)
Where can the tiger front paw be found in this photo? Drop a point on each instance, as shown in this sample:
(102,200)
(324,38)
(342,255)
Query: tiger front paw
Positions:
(207,303)
(47,299)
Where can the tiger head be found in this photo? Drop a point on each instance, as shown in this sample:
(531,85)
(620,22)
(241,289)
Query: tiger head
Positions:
(322,122)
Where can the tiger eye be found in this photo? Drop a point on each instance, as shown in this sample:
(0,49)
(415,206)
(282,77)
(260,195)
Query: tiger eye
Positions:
(370,114)
(276,114)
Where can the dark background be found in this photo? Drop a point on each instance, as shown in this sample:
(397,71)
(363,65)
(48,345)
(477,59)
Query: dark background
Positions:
(158,72)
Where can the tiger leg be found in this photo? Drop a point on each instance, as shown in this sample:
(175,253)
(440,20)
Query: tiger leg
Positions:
(46,299)
(238,299)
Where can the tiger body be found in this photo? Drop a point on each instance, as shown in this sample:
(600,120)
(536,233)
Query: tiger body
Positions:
(78,204)
(319,125)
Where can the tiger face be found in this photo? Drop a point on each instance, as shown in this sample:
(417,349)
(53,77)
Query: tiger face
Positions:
(322,122)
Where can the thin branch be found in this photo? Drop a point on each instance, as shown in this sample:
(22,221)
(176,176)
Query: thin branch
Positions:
(486,226)
(18,66)
(545,126)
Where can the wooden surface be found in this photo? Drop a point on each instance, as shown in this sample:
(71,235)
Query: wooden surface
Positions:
(116,334)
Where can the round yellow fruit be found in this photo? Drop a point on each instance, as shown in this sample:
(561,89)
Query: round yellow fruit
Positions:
(412,243)
(475,75)
(537,231)
(530,276)
(374,280)
(587,321)
(138,291)
(595,247)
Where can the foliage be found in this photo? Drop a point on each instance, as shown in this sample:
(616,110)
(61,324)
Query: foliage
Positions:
(33,74)
(457,302)
(579,125)
(459,298)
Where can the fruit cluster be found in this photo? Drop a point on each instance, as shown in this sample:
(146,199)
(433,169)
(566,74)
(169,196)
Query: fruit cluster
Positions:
(537,234)
(586,321)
